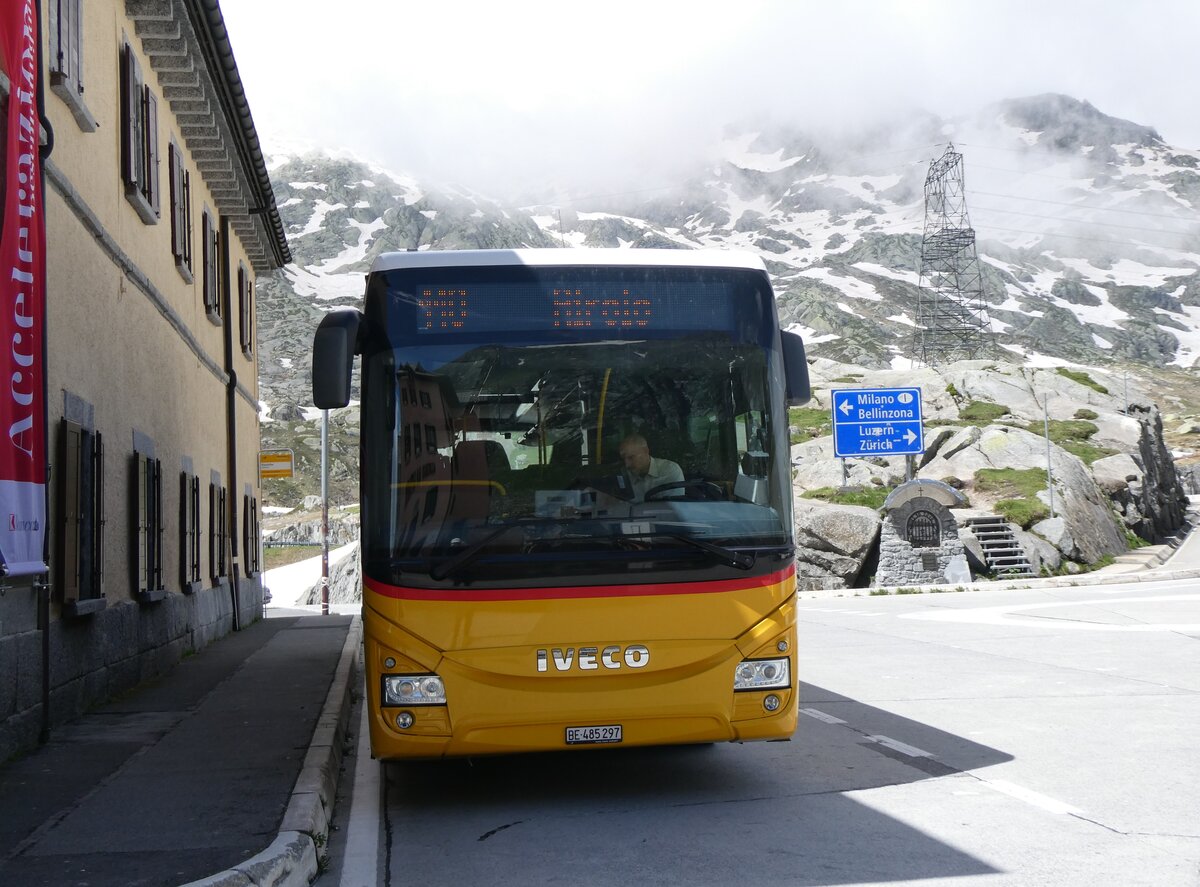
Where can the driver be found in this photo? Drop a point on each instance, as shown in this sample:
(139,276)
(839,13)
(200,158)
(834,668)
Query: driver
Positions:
(645,471)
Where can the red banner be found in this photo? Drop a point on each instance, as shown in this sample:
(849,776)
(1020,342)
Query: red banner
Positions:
(22,302)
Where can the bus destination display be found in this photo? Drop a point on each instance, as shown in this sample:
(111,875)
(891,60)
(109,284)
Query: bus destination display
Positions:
(497,307)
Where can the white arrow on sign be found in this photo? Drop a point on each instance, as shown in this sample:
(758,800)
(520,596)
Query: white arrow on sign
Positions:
(909,437)
(845,408)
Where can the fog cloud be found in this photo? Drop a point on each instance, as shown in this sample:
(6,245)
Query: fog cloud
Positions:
(624,95)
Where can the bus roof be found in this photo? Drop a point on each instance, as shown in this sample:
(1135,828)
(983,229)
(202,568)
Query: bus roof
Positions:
(479,258)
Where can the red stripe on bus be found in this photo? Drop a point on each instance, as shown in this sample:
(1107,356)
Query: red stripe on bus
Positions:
(401,592)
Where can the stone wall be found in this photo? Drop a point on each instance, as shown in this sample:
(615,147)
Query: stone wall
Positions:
(93,658)
(902,563)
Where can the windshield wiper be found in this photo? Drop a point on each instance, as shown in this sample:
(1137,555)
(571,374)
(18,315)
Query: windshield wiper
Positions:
(726,556)
(452,565)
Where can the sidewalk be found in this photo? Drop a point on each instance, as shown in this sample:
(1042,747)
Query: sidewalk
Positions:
(222,771)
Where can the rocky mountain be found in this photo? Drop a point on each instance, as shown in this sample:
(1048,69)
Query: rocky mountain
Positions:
(1086,229)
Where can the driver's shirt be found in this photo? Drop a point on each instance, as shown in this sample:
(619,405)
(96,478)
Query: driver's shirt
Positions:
(662,471)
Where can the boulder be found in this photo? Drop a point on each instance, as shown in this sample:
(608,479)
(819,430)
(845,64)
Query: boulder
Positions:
(1043,557)
(833,542)
(1054,530)
(345,581)
(342,529)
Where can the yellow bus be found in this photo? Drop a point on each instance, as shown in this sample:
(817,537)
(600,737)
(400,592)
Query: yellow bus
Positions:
(576,498)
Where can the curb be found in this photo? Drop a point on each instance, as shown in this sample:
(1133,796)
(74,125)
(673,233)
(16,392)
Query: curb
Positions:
(292,859)
(1150,571)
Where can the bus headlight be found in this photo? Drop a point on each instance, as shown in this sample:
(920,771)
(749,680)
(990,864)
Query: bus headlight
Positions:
(762,674)
(413,689)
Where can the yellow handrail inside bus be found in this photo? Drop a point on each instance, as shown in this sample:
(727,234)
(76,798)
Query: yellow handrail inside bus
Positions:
(600,416)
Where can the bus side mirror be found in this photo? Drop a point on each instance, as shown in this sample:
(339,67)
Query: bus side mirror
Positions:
(334,345)
(795,368)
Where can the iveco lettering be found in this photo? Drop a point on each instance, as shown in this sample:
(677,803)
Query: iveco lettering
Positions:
(592,658)
(576,498)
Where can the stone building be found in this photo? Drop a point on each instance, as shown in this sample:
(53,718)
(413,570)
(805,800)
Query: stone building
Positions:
(159,216)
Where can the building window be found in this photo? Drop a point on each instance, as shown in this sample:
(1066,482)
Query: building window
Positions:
(251,535)
(181,211)
(81,540)
(211,280)
(218,530)
(148,526)
(245,310)
(189,542)
(66,59)
(139,139)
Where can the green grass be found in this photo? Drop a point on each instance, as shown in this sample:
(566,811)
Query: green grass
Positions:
(1082,379)
(1072,435)
(288,554)
(1022,512)
(810,423)
(1088,452)
(1086,414)
(870,497)
(1017,491)
(982,412)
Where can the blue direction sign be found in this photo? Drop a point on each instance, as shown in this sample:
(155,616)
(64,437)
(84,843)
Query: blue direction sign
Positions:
(877,422)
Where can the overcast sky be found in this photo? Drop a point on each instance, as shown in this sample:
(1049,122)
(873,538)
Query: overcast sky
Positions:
(496,94)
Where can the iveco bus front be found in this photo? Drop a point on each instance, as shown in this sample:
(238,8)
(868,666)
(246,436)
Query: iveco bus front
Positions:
(517,594)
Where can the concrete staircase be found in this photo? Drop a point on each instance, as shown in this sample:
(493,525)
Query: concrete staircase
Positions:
(1003,553)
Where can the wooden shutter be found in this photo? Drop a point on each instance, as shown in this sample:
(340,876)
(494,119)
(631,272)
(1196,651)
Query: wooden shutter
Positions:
(247,551)
(99,515)
(185,529)
(195,529)
(75,43)
(176,184)
(206,260)
(141,522)
(158,525)
(150,137)
(215,256)
(69,580)
(60,28)
(132,158)
(186,214)
(213,534)
(245,310)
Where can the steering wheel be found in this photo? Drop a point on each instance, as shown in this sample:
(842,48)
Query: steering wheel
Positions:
(694,488)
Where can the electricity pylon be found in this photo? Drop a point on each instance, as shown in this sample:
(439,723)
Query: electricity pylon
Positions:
(952,317)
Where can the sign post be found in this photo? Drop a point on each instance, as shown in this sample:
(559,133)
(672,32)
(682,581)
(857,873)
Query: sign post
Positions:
(877,422)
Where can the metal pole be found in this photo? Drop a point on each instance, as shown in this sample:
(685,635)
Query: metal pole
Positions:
(1127,392)
(1049,467)
(324,512)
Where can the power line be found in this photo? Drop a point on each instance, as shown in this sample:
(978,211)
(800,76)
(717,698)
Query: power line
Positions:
(1015,212)
(1106,209)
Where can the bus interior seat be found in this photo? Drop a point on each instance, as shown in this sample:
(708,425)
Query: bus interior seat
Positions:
(495,457)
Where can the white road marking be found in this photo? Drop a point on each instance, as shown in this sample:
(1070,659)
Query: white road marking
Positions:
(1029,796)
(896,745)
(1008,614)
(821,716)
(360,868)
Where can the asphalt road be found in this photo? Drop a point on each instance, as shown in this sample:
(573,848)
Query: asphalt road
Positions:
(992,737)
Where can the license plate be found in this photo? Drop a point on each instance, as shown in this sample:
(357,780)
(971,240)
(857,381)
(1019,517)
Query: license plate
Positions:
(593,735)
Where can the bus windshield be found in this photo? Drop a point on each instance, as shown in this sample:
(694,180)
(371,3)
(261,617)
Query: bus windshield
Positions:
(589,425)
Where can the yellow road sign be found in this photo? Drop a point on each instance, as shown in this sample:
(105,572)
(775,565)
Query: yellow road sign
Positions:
(275,463)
